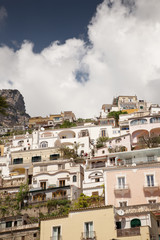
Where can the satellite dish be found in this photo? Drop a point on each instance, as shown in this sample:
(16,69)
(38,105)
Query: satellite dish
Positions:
(42,129)
(120,212)
(133,164)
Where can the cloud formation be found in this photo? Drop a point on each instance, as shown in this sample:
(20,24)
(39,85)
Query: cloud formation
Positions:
(123,58)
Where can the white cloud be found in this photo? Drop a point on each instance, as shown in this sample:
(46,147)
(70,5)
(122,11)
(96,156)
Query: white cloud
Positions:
(124,58)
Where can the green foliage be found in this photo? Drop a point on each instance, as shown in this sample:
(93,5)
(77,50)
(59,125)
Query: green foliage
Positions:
(54,203)
(67,124)
(3,105)
(101,141)
(68,153)
(115,115)
(22,194)
(4,210)
(83,201)
(80,120)
(149,142)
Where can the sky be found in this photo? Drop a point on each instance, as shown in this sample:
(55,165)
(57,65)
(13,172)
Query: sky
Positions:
(76,55)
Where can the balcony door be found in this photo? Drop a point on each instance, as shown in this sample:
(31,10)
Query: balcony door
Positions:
(121,182)
(88,228)
(150,180)
(56,233)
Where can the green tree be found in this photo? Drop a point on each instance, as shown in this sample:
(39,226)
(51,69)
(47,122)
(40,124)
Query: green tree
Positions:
(115,115)
(149,141)
(68,152)
(101,142)
(22,195)
(83,201)
(3,105)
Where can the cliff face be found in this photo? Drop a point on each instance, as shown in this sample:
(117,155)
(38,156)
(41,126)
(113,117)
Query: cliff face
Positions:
(16,111)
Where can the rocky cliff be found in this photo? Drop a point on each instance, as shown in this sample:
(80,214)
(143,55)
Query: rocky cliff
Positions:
(16,111)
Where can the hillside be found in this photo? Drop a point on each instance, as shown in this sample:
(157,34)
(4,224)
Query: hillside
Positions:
(16,111)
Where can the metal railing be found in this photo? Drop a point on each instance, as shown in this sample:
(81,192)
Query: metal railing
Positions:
(56,238)
(128,232)
(91,235)
(121,187)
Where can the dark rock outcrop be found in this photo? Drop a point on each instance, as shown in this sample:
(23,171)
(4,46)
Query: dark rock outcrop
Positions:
(16,111)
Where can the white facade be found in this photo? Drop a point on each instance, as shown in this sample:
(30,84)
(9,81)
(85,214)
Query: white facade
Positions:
(69,137)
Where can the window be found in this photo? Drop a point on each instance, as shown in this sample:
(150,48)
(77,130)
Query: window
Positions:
(118,225)
(123,204)
(74,178)
(121,182)
(150,180)
(97,180)
(61,183)
(129,161)
(135,223)
(56,233)
(44,144)
(88,230)
(43,185)
(103,151)
(61,166)
(34,234)
(150,158)
(17,160)
(152,201)
(36,159)
(8,224)
(54,156)
(103,133)
(43,169)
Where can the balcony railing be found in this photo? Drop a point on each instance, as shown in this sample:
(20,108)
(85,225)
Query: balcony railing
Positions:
(128,232)
(151,187)
(56,238)
(88,235)
(121,188)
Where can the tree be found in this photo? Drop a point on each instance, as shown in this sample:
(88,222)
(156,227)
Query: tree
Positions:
(68,152)
(115,115)
(149,141)
(22,195)
(3,105)
(83,201)
(101,142)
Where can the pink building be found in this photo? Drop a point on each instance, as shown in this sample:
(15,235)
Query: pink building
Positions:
(132,185)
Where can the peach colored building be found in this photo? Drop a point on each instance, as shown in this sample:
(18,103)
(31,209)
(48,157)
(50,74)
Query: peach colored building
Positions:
(132,185)
(144,126)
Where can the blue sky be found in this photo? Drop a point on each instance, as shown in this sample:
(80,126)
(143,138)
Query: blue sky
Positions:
(78,54)
(43,22)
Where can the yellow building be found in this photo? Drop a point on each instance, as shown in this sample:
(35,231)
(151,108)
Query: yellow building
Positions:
(97,223)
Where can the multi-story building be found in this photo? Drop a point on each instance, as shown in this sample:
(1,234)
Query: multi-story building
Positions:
(99,223)
(131,185)
(56,179)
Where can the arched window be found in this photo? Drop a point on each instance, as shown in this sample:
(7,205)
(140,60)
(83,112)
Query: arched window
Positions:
(74,178)
(44,144)
(135,223)
(138,122)
(155,120)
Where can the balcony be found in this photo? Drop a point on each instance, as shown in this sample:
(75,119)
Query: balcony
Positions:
(124,188)
(151,187)
(88,236)
(128,232)
(56,238)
